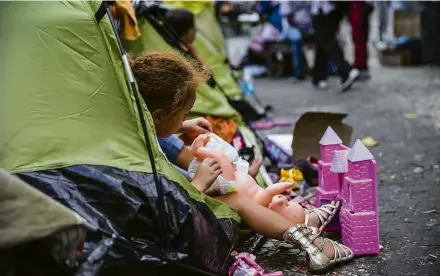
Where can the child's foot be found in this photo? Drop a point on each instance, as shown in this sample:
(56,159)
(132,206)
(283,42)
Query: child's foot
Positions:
(255,166)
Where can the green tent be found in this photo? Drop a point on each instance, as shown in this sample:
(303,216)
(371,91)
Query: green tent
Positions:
(29,215)
(209,101)
(219,66)
(70,127)
(210,44)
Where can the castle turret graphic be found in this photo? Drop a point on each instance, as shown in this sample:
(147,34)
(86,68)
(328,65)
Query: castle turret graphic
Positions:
(329,185)
(349,175)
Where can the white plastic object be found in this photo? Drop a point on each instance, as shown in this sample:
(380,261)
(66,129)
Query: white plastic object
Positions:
(241,169)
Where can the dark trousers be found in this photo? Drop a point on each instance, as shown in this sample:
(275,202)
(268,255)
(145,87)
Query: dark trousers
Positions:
(326,46)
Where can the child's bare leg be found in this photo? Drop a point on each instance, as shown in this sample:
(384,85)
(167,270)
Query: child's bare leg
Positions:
(265,221)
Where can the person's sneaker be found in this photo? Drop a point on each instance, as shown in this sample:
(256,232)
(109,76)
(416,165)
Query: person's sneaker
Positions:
(364,75)
(321,85)
(349,80)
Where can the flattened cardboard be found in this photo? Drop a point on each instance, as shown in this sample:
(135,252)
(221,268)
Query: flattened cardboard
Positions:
(310,128)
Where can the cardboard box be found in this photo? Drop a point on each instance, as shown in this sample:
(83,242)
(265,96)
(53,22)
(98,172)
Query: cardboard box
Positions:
(309,130)
(395,57)
(407,23)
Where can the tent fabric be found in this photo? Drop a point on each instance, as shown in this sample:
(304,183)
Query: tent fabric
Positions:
(27,215)
(209,101)
(130,209)
(217,63)
(78,59)
(208,25)
(66,109)
(197,7)
(210,43)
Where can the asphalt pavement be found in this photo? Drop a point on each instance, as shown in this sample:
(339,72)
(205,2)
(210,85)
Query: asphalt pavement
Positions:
(399,107)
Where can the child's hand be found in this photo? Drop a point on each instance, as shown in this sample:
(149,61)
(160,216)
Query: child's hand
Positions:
(207,173)
(255,166)
(199,125)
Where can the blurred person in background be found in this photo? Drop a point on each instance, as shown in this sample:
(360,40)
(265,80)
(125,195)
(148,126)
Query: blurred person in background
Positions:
(297,25)
(326,22)
(270,11)
(359,15)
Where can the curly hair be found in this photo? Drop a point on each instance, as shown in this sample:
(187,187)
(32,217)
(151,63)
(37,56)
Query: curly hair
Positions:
(166,81)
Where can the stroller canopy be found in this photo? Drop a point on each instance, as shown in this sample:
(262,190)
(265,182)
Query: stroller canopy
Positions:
(69,126)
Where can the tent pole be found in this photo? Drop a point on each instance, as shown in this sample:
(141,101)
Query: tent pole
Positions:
(160,202)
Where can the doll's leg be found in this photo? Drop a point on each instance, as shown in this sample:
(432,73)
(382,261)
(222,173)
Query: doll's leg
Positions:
(268,223)
(260,219)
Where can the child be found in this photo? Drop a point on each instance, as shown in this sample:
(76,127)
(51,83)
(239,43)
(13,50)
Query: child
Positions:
(168,83)
(183,23)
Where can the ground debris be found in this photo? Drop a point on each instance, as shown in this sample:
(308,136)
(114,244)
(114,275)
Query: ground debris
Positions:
(393,176)
(429,211)
(431,223)
(382,260)
(410,116)
(369,141)
(418,170)
(302,267)
(432,257)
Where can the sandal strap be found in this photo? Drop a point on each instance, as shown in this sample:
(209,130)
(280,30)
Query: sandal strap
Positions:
(340,251)
(301,234)
(319,247)
(322,213)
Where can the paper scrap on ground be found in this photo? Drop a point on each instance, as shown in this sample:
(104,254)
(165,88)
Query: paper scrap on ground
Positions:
(369,141)
(418,170)
(410,116)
